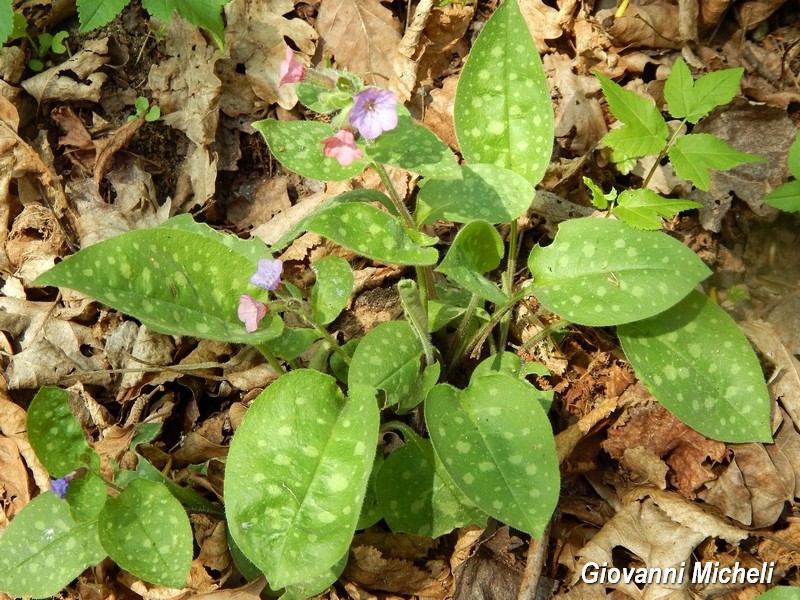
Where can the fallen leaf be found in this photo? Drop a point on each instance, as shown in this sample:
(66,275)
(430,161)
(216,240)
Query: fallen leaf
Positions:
(77,78)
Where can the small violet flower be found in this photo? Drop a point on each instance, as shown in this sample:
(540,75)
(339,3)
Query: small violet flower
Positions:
(291,69)
(250,312)
(268,274)
(342,147)
(374,111)
(59,486)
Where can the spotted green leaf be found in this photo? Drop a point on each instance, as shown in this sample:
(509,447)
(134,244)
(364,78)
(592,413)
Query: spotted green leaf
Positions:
(693,155)
(476,249)
(297,472)
(44,548)
(697,362)
(496,443)
(503,113)
(55,434)
(508,363)
(292,342)
(317,585)
(415,148)
(298,146)
(86,496)
(692,100)
(417,496)
(603,272)
(486,192)
(332,289)
(643,209)
(145,530)
(370,232)
(174,280)
(643,132)
(370,509)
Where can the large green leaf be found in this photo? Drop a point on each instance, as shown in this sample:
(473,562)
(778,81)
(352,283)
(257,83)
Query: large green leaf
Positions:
(693,155)
(297,472)
(205,14)
(96,13)
(43,549)
(785,197)
(643,209)
(602,272)
(332,289)
(6,20)
(692,99)
(781,592)
(173,279)
(503,113)
(700,366)
(476,249)
(496,443)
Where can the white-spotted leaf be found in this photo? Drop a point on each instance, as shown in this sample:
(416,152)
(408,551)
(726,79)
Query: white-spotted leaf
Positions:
(496,443)
(486,192)
(174,280)
(602,272)
(43,549)
(292,342)
(332,289)
(297,473)
(55,434)
(476,249)
(697,363)
(145,530)
(695,154)
(503,113)
(317,585)
(86,496)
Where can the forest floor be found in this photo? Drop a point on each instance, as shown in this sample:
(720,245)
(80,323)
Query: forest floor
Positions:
(639,488)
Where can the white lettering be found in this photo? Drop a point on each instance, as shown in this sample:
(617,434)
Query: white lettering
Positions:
(590,578)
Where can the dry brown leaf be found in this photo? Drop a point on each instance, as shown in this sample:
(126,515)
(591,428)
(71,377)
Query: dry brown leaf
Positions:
(438,115)
(712,11)
(443,36)
(269,198)
(362,35)
(74,79)
(543,22)
(197,181)
(751,13)
(370,568)
(653,25)
(249,591)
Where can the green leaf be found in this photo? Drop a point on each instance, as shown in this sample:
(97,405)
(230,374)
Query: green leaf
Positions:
(476,249)
(370,510)
(370,232)
(297,472)
(298,146)
(600,199)
(293,342)
(317,585)
(602,272)
(205,14)
(496,443)
(694,154)
(332,289)
(186,496)
(781,592)
(503,113)
(146,532)
(417,496)
(86,496)
(793,159)
(642,208)
(6,20)
(693,100)
(415,148)
(43,549)
(387,358)
(644,131)
(785,197)
(55,434)
(96,13)
(20,28)
(698,364)
(486,192)
(173,280)
(57,45)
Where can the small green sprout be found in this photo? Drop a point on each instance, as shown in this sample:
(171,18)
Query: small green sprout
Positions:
(144,109)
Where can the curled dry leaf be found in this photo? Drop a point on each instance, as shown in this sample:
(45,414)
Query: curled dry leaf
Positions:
(650,26)
(77,78)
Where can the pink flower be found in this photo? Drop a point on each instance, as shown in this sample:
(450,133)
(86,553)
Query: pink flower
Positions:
(342,147)
(291,69)
(374,111)
(268,274)
(250,312)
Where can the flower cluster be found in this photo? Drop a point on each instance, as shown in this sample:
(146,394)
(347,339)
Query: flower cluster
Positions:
(60,486)
(373,111)
(267,277)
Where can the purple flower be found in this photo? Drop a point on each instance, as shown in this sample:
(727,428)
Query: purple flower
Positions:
(374,111)
(291,69)
(342,147)
(268,274)
(59,486)
(250,312)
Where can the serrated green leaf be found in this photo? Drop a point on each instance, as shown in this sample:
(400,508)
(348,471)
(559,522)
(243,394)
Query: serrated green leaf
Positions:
(693,100)
(43,549)
(417,496)
(86,496)
(699,365)
(785,197)
(206,14)
(173,280)
(496,443)
(643,132)
(387,358)
(370,232)
(6,20)
(602,272)
(643,208)
(476,249)
(503,113)
(55,434)
(693,155)
(486,192)
(599,198)
(297,472)
(332,290)
(298,146)
(146,532)
(781,592)
(96,13)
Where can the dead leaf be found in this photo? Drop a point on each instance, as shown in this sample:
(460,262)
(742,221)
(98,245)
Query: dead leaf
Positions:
(751,13)
(269,197)
(439,113)
(74,79)
(197,181)
(652,25)
(543,22)
(443,36)
(108,146)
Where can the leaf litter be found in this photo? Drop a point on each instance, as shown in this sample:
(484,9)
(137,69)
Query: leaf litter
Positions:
(640,488)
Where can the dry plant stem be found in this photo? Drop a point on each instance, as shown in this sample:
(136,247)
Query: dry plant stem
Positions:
(661,155)
(271,359)
(537,551)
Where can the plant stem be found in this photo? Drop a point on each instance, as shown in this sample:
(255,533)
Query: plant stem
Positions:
(662,154)
(508,280)
(271,359)
(554,327)
(459,339)
(329,339)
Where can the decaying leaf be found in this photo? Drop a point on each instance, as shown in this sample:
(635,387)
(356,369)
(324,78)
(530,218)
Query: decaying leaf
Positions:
(77,78)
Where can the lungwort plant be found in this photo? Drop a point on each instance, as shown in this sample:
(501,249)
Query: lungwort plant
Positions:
(305,468)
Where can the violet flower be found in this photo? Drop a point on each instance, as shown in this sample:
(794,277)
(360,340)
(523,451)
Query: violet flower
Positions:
(250,312)
(374,111)
(268,274)
(291,69)
(342,147)
(60,486)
